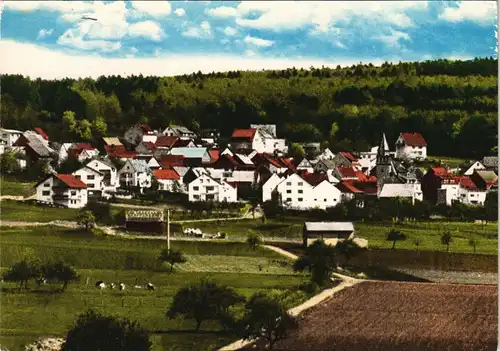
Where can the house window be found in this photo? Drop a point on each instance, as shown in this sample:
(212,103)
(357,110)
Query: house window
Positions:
(473,202)
(78,177)
(300,199)
(196,197)
(288,183)
(196,188)
(201,181)
(90,185)
(471,195)
(288,199)
(325,200)
(90,177)
(45,193)
(301,183)
(334,200)
(46,185)
(301,191)
(210,197)
(288,191)
(73,193)
(210,188)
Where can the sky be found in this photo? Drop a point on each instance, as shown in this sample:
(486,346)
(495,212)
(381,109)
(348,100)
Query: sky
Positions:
(56,39)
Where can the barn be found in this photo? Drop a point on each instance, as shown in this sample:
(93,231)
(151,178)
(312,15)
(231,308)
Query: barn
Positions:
(151,221)
(330,232)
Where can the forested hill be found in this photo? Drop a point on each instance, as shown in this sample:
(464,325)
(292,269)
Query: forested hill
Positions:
(453,103)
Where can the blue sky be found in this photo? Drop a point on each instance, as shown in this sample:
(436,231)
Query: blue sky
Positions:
(51,39)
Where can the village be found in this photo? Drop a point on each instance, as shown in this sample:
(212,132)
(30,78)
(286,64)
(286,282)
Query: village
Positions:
(178,161)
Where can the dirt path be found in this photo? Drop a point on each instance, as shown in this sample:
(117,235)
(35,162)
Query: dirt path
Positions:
(347,282)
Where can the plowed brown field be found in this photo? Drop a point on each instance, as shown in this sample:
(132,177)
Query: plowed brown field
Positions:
(390,316)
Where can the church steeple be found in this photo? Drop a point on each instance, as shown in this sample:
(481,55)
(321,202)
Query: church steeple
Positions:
(383,168)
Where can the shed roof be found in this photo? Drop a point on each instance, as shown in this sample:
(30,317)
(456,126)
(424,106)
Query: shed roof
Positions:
(167,174)
(71,181)
(248,133)
(329,226)
(413,139)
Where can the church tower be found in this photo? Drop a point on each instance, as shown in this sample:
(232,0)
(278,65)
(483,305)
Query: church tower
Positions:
(383,168)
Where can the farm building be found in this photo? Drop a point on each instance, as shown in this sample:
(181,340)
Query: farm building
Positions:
(330,232)
(151,221)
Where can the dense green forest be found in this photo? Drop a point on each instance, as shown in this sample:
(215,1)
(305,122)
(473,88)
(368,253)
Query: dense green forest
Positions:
(453,103)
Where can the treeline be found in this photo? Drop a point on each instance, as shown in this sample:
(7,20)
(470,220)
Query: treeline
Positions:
(453,103)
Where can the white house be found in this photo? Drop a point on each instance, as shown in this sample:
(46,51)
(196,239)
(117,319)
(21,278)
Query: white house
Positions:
(168,179)
(9,136)
(270,186)
(406,190)
(135,173)
(110,174)
(62,189)
(471,167)
(326,155)
(271,143)
(179,131)
(299,193)
(63,152)
(205,188)
(93,178)
(470,194)
(304,165)
(411,146)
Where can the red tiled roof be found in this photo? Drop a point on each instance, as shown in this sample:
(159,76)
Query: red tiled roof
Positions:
(169,174)
(313,178)
(440,171)
(83,146)
(182,142)
(119,151)
(467,183)
(149,145)
(347,172)
(349,156)
(287,162)
(414,139)
(348,187)
(169,161)
(166,141)
(214,154)
(42,133)
(244,133)
(271,160)
(71,181)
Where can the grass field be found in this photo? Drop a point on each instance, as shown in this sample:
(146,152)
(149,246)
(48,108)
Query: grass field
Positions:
(393,316)
(17,211)
(28,315)
(8,186)
(429,233)
(449,161)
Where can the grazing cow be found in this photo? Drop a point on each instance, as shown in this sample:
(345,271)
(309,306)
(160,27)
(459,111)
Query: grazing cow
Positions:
(112,285)
(41,281)
(100,284)
(151,286)
(122,286)
(138,287)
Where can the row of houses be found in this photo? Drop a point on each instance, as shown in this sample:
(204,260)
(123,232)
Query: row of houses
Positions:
(178,160)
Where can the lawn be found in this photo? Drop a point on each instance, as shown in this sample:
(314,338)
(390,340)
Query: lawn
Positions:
(9,186)
(429,233)
(451,162)
(18,211)
(29,315)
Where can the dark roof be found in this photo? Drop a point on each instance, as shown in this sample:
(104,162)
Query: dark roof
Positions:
(149,145)
(182,142)
(413,139)
(244,133)
(145,128)
(166,141)
(169,161)
(313,178)
(42,133)
(170,174)
(71,181)
(349,156)
(119,151)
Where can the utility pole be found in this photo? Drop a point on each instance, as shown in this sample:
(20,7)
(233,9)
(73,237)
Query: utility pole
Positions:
(168,230)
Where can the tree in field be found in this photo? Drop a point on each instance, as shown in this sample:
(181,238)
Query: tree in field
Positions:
(203,301)
(349,249)
(253,241)
(8,162)
(266,318)
(320,259)
(172,257)
(60,272)
(296,151)
(394,236)
(86,219)
(491,206)
(473,243)
(417,243)
(446,239)
(94,331)
(21,273)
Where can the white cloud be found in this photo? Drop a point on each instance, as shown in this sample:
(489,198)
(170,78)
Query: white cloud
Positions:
(134,50)
(222,11)
(339,44)
(258,41)
(146,29)
(43,33)
(76,41)
(203,31)
(180,12)
(392,40)
(250,53)
(17,58)
(279,15)
(155,8)
(230,31)
(59,6)
(477,11)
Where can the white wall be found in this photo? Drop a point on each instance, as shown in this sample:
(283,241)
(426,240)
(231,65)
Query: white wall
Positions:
(411,152)
(77,198)
(269,187)
(113,178)
(476,166)
(92,179)
(44,190)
